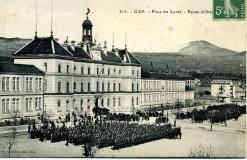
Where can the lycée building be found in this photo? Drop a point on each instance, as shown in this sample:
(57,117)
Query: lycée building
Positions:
(73,75)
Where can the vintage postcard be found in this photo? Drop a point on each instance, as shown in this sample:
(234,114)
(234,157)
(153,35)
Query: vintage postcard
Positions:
(123,78)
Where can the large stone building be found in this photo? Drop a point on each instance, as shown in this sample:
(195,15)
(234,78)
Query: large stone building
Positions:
(21,91)
(164,90)
(75,74)
(76,77)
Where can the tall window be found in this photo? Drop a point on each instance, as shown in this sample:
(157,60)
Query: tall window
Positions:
(89,71)
(4,110)
(108,86)
(40,84)
(74,86)
(7,83)
(133,72)
(119,101)
(67,87)
(82,70)
(58,104)
(103,87)
(88,87)
(119,86)
(114,101)
(13,83)
(3,84)
(114,87)
(59,86)
(59,68)
(133,86)
(97,71)
(109,72)
(97,86)
(137,100)
(137,86)
(108,102)
(81,104)
(132,101)
(82,90)
(67,68)
(36,104)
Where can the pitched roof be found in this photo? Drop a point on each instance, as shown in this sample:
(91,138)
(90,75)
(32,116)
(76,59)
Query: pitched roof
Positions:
(78,52)
(20,69)
(129,57)
(43,46)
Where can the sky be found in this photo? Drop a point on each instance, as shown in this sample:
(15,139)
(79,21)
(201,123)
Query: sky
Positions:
(145,32)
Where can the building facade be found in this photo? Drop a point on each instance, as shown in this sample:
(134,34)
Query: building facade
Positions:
(77,74)
(164,90)
(21,91)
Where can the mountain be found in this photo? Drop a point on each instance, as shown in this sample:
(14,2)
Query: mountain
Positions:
(8,46)
(197,55)
(204,48)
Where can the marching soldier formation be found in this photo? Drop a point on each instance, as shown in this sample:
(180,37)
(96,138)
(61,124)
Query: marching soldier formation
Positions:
(104,134)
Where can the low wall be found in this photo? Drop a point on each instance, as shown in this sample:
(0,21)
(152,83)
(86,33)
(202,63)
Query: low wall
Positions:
(8,129)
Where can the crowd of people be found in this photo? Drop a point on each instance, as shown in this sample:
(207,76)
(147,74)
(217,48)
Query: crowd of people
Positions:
(105,134)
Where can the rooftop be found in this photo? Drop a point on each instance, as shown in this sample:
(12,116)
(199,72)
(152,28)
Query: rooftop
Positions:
(20,69)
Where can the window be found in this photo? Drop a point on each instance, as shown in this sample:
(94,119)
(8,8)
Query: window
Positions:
(40,103)
(82,70)
(58,104)
(88,87)
(59,86)
(30,84)
(97,86)
(67,68)
(97,71)
(89,71)
(88,103)
(59,68)
(67,87)
(7,83)
(40,84)
(133,87)
(45,66)
(119,86)
(81,104)
(132,101)
(119,71)
(102,102)
(4,110)
(13,84)
(36,103)
(119,101)
(3,84)
(108,86)
(29,104)
(137,100)
(108,102)
(67,105)
(74,86)
(103,87)
(137,73)
(133,72)
(114,87)
(109,72)
(82,90)
(114,101)
(137,86)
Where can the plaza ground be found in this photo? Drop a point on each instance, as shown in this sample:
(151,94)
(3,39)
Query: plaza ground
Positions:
(226,141)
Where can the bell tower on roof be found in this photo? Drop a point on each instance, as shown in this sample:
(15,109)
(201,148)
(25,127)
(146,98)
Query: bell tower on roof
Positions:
(87,30)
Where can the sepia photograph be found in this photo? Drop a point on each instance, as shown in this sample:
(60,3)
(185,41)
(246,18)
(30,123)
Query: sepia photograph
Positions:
(123,78)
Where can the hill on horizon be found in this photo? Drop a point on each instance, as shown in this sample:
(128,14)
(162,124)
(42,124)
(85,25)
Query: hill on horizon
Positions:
(196,55)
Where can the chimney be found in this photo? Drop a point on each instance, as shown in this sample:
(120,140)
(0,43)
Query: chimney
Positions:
(73,45)
(105,48)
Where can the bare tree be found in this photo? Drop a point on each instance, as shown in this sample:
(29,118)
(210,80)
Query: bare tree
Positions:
(202,151)
(9,139)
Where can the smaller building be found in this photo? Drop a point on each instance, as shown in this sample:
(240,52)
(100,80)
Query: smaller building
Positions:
(21,91)
(224,90)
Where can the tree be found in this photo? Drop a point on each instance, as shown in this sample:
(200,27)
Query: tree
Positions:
(9,140)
